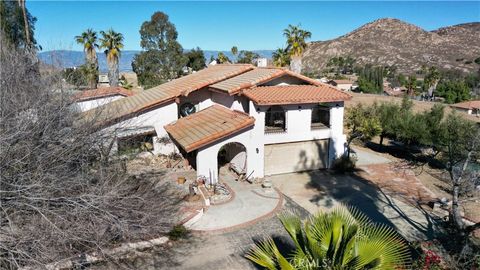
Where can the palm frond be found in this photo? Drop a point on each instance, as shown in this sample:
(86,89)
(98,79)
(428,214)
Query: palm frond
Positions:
(342,238)
(264,254)
(293,225)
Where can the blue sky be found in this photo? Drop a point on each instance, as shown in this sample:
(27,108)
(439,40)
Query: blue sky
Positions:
(220,25)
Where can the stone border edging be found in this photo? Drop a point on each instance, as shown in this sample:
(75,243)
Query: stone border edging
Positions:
(248,223)
(265,196)
(190,220)
(231,197)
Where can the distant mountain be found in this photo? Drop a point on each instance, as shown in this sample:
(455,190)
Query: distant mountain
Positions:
(65,58)
(394,42)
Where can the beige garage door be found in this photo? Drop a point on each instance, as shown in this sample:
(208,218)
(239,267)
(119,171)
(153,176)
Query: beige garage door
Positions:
(295,157)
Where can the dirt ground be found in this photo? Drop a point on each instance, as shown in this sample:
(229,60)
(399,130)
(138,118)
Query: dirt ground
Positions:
(418,106)
(431,179)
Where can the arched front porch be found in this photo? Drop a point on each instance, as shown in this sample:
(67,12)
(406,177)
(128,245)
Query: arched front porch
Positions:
(232,156)
(238,152)
(202,135)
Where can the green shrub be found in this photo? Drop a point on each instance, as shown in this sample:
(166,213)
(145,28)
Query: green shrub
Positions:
(177,232)
(344,164)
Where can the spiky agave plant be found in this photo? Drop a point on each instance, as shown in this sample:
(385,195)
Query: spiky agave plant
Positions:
(343,238)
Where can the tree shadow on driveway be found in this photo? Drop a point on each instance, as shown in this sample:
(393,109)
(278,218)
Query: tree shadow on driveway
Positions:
(412,221)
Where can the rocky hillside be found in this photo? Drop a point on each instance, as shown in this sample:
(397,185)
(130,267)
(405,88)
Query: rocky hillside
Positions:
(394,42)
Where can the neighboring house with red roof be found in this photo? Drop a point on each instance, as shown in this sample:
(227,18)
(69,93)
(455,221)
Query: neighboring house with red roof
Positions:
(344,84)
(262,121)
(470,107)
(89,99)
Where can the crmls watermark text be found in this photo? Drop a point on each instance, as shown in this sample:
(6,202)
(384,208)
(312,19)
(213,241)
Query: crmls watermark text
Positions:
(306,263)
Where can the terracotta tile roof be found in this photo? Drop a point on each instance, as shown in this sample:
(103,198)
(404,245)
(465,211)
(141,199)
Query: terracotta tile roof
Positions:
(343,81)
(468,105)
(102,92)
(295,94)
(248,79)
(207,126)
(256,77)
(166,92)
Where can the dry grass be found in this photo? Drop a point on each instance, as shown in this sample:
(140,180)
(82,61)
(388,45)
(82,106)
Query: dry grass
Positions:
(419,106)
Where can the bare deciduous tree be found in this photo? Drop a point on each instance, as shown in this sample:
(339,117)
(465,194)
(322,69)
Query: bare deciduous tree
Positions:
(56,199)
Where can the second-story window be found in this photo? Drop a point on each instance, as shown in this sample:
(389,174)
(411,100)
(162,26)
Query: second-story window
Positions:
(320,117)
(275,120)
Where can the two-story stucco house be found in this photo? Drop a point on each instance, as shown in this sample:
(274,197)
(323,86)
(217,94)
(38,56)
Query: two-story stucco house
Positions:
(262,121)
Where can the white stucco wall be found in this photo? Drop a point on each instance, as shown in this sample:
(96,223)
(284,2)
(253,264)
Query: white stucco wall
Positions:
(463,110)
(158,118)
(298,126)
(298,123)
(207,164)
(338,139)
(285,80)
(201,99)
(167,113)
(93,103)
(345,86)
(204,99)
(239,103)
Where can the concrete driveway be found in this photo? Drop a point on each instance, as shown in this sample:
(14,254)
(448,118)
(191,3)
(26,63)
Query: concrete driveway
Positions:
(321,190)
(365,157)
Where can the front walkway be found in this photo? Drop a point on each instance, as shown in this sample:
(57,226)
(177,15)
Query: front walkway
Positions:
(250,204)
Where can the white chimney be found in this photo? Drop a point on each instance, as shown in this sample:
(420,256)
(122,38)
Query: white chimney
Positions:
(261,62)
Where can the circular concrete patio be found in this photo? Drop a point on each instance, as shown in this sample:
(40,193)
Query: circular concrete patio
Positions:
(250,204)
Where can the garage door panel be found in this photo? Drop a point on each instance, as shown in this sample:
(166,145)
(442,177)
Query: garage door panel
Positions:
(295,157)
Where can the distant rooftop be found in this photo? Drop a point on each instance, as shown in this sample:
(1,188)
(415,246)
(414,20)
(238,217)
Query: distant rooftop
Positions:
(469,105)
(101,93)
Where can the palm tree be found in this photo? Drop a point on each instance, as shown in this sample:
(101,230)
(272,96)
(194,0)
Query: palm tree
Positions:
(125,84)
(296,44)
(411,85)
(21,3)
(112,42)
(222,58)
(341,239)
(431,80)
(281,58)
(89,41)
(234,51)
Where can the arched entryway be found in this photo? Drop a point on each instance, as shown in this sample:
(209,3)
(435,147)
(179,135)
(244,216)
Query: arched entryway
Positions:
(233,156)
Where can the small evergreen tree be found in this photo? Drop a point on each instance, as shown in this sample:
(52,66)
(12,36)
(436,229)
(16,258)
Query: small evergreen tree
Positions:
(362,124)
(370,79)
(195,59)
(222,58)
(162,58)
(247,57)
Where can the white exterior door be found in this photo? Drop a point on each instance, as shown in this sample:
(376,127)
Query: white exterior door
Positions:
(296,156)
